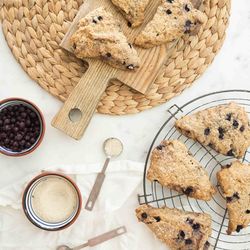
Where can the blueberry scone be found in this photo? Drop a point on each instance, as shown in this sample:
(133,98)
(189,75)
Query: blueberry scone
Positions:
(177,229)
(133,10)
(173,19)
(225,128)
(173,166)
(99,35)
(234,181)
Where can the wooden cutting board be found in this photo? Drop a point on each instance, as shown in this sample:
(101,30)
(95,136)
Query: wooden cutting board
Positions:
(86,95)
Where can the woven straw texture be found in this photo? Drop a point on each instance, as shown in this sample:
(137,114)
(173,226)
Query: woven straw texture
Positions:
(34,28)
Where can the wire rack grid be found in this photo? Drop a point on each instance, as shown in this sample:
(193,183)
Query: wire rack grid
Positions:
(158,196)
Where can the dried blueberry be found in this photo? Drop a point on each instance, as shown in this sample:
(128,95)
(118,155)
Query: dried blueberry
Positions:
(169,12)
(226,166)
(100,18)
(7,121)
(188,190)
(129,24)
(229,116)
(181,235)
(15,125)
(196,226)
(144,215)
(33,115)
(188,241)
(19,137)
(108,54)
(242,128)
(21,125)
(235,197)
(239,227)
(188,24)
(207,245)
(235,124)
(248,211)
(186,8)
(157,218)
(221,136)
(221,130)
(230,153)
(207,131)
(190,221)
(160,147)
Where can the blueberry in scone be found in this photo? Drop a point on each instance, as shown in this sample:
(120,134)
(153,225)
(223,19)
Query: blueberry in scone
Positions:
(225,128)
(99,35)
(173,166)
(133,10)
(177,229)
(173,19)
(234,181)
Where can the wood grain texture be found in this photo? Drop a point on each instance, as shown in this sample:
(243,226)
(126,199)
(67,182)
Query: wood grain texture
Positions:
(90,88)
(152,60)
(84,97)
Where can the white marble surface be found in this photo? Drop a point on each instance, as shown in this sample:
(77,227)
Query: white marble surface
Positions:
(231,69)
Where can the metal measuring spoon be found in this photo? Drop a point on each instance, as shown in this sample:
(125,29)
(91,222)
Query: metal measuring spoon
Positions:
(112,147)
(97,240)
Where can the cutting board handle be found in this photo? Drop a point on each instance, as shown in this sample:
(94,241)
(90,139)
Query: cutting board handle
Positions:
(83,100)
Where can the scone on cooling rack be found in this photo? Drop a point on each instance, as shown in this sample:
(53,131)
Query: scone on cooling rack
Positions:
(173,19)
(173,166)
(225,128)
(177,229)
(99,35)
(133,10)
(234,181)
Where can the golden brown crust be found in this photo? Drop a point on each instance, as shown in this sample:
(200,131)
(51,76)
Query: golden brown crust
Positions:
(225,128)
(174,167)
(99,35)
(172,20)
(133,10)
(177,229)
(234,181)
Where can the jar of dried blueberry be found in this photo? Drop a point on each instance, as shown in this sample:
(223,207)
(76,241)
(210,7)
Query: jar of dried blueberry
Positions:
(22,127)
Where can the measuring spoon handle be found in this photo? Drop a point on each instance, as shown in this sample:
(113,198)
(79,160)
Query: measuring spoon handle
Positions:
(95,191)
(102,238)
(97,187)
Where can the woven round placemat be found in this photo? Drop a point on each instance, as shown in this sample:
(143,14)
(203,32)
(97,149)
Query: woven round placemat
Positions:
(34,28)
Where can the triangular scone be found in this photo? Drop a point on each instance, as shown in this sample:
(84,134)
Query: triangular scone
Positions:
(177,229)
(225,128)
(99,35)
(172,20)
(234,181)
(174,167)
(133,10)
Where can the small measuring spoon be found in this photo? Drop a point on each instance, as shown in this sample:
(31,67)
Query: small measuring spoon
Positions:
(97,240)
(112,147)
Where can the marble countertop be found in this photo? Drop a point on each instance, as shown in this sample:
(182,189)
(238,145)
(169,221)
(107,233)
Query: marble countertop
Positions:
(230,70)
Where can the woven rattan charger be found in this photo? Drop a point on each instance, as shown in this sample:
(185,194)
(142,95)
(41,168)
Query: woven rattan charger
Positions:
(34,30)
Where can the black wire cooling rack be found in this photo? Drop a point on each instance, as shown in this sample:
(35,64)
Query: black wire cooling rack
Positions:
(158,196)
